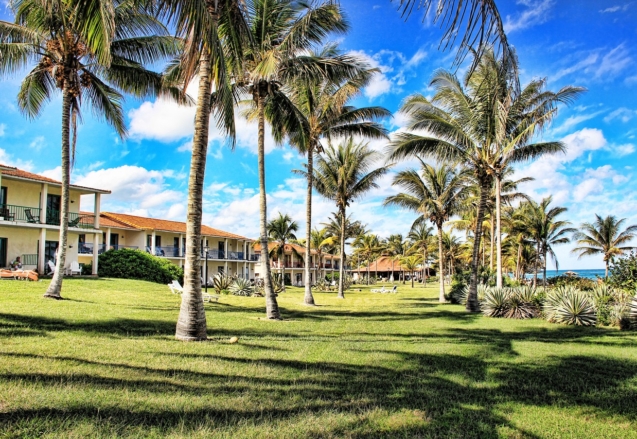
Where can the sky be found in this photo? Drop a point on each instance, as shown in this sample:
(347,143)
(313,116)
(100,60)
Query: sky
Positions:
(588,43)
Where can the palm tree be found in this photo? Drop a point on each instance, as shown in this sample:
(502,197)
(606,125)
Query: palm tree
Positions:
(411,263)
(216,35)
(281,230)
(436,194)
(344,174)
(368,246)
(421,237)
(546,230)
(325,114)
(92,56)
(604,237)
(465,125)
(394,247)
(282,34)
(320,242)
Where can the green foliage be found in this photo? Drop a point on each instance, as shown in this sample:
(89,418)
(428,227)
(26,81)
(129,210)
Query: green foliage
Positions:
(581,283)
(241,287)
(511,303)
(495,303)
(136,264)
(87,269)
(570,306)
(221,283)
(277,285)
(623,272)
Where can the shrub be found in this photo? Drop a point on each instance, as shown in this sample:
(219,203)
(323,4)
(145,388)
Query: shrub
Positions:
(87,269)
(603,300)
(522,303)
(241,287)
(623,272)
(458,291)
(581,283)
(570,306)
(277,285)
(221,283)
(495,302)
(135,264)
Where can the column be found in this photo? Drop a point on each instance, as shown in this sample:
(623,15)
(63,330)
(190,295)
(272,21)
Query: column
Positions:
(43,193)
(181,246)
(107,244)
(41,262)
(96,211)
(152,244)
(96,240)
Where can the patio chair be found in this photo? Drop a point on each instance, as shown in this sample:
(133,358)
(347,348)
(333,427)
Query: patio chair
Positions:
(395,289)
(74,268)
(6,214)
(382,290)
(30,217)
(175,287)
(75,222)
(51,266)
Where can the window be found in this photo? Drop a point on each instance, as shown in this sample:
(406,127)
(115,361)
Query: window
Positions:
(3,196)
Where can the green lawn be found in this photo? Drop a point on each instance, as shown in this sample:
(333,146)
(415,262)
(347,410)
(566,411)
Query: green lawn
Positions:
(103,363)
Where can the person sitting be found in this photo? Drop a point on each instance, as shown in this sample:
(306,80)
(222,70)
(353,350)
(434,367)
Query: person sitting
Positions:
(16,264)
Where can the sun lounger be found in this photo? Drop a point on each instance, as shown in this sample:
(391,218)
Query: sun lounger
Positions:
(382,290)
(51,266)
(176,288)
(7,274)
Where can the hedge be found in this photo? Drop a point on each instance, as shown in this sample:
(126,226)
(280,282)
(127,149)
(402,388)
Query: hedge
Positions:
(136,264)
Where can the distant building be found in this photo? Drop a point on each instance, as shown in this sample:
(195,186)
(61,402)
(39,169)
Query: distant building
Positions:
(385,267)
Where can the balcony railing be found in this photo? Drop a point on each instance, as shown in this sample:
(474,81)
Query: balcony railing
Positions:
(21,214)
(75,219)
(86,248)
(167,252)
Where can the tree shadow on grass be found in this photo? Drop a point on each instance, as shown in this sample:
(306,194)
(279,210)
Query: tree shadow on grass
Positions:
(447,389)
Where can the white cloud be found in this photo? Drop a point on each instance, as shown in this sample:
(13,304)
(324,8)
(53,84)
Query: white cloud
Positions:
(536,12)
(623,150)
(572,121)
(8,160)
(624,114)
(55,173)
(612,63)
(615,8)
(38,143)
(288,156)
(95,165)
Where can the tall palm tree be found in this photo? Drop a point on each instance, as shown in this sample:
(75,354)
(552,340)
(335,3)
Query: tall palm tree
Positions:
(326,114)
(320,242)
(283,34)
(464,124)
(437,193)
(215,34)
(344,174)
(281,231)
(92,55)
(546,230)
(368,246)
(394,247)
(421,238)
(604,237)
(411,263)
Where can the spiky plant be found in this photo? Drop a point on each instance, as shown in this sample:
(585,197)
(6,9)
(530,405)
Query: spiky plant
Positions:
(571,307)
(221,282)
(522,304)
(620,315)
(495,302)
(241,287)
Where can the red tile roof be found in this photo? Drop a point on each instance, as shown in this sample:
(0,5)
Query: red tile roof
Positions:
(143,223)
(19,173)
(299,248)
(384,264)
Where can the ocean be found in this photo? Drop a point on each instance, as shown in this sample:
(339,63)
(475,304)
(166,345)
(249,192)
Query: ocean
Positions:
(590,274)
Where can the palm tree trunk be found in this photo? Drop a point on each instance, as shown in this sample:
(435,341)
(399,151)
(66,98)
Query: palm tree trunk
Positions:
(368,273)
(498,230)
(472,297)
(544,272)
(517,262)
(392,271)
(425,269)
(412,279)
(191,324)
(271,305)
(341,289)
(441,275)
(309,298)
(606,273)
(537,260)
(492,245)
(55,287)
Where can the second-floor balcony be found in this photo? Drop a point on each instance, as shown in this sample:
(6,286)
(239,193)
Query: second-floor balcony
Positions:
(31,215)
(86,248)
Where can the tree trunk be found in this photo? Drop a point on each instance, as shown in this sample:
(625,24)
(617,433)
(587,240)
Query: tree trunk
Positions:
(606,272)
(412,279)
(283,267)
(441,275)
(537,260)
(424,268)
(309,298)
(341,289)
(271,305)
(472,297)
(544,272)
(492,244)
(191,324)
(392,271)
(517,262)
(55,287)
(498,230)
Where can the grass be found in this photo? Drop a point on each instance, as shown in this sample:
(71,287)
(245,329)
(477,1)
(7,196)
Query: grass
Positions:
(104,363)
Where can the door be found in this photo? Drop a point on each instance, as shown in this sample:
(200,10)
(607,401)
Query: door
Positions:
(176,246)
(50,248)
(3,196)
(222,250)
(53,204)
(4,242)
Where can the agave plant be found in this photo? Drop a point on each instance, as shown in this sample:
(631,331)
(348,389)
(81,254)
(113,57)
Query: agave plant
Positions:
(459,295)
(277,285)
(221,282)
(620,315)
(571,307)
(522,304)
(241,287)
(495,302)
(632,313)
(482,290)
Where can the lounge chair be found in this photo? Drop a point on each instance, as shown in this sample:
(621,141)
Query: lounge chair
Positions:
(6,274)
(382,290)
(51,266)
(176,288)
(30,217)
(75,222)
(74,268)
(394,290)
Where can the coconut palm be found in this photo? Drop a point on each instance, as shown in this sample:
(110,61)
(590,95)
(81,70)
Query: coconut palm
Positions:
(215,34)
(464,124)
(283,34)
(321,242)
(437,193)
(344,174)
(604,237)
(369,247)
(92,55)
(411,263)
(281,231)
(422,239)
(394,247)
(546,230)
(324,114)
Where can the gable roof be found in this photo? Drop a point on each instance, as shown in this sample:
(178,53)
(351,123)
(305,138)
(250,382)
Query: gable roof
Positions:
(143,223)
(20,174)
(384,264)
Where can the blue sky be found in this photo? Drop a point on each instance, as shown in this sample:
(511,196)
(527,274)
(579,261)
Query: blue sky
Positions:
(585,43)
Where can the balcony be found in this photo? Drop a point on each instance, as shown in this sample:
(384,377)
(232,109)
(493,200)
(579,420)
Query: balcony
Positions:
(254,258)
(87,248)
(31,215)
(166,252)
